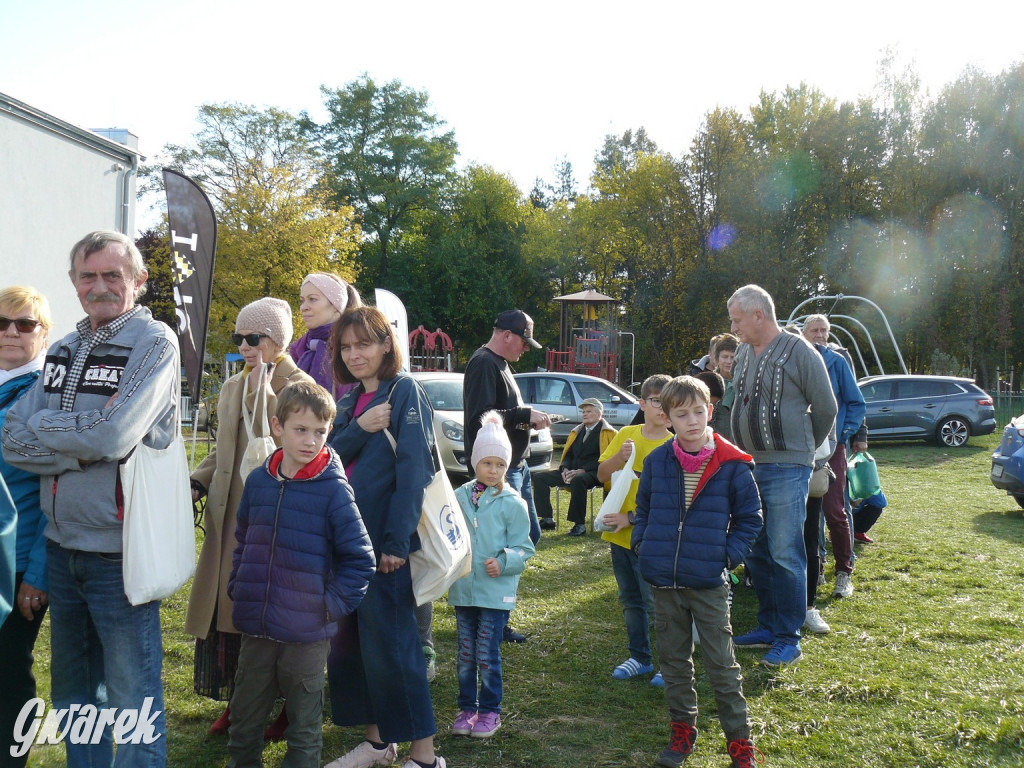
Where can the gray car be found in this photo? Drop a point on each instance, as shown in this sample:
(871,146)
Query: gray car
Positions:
(444,391)
(562,393)
(945,409)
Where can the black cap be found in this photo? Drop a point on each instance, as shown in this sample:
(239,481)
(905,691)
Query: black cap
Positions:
(519,323)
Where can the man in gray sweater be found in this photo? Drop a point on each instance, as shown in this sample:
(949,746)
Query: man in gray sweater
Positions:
(783,409)
(106,387)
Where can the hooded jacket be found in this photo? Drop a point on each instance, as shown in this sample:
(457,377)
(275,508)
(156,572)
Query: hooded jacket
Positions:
(303,558)
(693,544)
(499,527)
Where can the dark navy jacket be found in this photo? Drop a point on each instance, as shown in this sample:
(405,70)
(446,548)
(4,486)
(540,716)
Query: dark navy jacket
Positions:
(693,545)
(303,558)
(389,487)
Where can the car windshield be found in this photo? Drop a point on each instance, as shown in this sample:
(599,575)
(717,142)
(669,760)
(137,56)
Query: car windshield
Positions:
(602,392)
(444,395)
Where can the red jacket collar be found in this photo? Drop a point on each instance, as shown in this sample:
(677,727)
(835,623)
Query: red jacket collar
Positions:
(724,451)
(312,469)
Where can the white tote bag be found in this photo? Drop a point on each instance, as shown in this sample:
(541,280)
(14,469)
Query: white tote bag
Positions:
(158,535)
(445,554)
(616,497)
(257,449)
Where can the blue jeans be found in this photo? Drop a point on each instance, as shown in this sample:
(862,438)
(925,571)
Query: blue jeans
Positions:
(637,602)
(480,655)
(104,652)
(778,560)
(520,479)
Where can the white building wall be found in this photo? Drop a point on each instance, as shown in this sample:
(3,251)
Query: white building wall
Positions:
(57,183)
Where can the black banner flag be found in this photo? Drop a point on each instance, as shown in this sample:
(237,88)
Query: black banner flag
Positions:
(193,245)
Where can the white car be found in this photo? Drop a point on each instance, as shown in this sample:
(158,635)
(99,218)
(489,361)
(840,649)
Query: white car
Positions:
(444,391)
(561,394)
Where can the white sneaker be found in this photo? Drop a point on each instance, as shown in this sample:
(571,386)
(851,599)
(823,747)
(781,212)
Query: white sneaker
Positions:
(814,624)
(844,587)
(365,755)
(438,763)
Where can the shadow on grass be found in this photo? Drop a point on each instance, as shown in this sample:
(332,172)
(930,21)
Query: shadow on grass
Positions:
(1007,525)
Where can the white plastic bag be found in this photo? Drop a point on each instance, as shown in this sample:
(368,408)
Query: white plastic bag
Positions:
(158,535)
(616,497)
(257,449)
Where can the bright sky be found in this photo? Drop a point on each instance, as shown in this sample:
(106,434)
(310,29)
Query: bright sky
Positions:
(522,84)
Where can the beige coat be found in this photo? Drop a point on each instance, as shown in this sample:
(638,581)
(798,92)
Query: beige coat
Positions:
(219,474)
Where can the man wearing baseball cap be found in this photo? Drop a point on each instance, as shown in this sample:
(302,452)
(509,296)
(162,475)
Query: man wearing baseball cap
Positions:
(488,385)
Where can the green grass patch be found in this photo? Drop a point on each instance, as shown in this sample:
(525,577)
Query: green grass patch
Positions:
(924,666)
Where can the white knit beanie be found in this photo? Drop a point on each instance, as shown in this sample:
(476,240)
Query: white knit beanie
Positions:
(491,440)
(269,316)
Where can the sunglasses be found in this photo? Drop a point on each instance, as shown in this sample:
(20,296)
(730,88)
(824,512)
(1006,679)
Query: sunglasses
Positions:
(252,339)
(23,324)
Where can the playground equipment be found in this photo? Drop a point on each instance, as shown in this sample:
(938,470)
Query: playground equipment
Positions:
(795,316)
(592,347)
(430,350)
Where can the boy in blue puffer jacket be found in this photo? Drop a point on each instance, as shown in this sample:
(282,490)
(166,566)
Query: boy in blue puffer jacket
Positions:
(697,514)
(303,560)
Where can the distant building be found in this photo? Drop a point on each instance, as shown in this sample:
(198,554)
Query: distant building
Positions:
(58,182)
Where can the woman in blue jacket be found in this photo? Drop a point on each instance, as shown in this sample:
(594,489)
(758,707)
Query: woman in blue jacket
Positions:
(376,670)
(24,325)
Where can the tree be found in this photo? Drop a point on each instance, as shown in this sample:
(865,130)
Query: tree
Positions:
(159,295)
(274,224)
(384,153)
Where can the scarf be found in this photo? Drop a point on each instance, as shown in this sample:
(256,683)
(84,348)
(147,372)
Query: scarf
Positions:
(478,490)
(692,462)
(312,355)
(36,364)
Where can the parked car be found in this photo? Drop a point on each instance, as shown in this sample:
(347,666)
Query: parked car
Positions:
(444,391)
(562,393)
(1008,461)
(946,409)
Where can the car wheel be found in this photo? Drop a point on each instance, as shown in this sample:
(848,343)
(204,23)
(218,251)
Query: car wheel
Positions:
(1019,498)
(953,432)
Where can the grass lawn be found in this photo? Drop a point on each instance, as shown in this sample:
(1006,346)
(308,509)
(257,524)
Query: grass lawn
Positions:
(924,665)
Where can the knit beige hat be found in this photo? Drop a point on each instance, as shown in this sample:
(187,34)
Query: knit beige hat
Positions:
(270,316)
(491,440)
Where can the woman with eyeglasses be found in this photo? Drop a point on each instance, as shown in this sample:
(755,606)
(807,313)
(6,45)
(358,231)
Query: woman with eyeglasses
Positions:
(25,323)
(262,332)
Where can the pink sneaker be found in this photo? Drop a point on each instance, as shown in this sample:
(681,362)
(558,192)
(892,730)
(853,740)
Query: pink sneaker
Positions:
(463,725)
(487,724)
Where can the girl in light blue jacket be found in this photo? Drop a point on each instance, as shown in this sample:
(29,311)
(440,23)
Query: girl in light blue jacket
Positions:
(499,530)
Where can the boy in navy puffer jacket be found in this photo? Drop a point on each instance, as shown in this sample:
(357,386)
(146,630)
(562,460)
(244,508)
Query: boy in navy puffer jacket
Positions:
(303,560)
(697,514)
